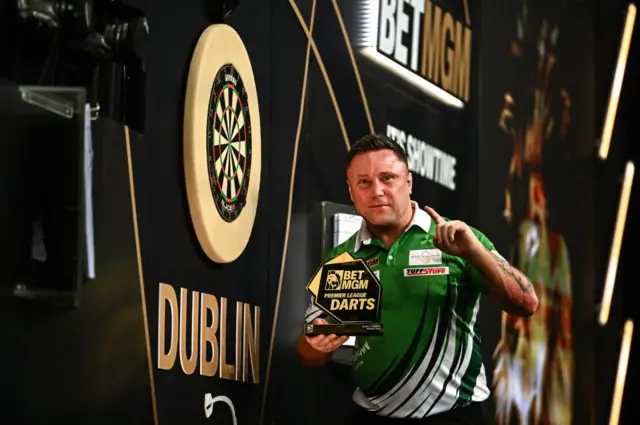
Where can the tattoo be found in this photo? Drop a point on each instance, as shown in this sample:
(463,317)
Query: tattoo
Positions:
(525,284)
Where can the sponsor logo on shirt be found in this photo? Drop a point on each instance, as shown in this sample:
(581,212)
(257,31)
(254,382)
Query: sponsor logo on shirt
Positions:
(425,271)
(372,262)
(425,257)
(360,350)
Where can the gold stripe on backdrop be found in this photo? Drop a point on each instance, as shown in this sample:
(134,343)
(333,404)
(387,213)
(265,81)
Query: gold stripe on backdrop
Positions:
(323,70)
(467,15)
(289,208)
(136,236)
(356,71)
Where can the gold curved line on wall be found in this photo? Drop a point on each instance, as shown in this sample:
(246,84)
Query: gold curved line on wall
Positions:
(467,15)
(323,70)
(354,64)
(134,216)
(289,209)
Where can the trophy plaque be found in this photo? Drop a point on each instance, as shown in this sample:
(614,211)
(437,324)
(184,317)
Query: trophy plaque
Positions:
(349,293)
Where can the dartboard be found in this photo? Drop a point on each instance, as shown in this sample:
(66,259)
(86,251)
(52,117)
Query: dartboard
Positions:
(229,143)
(222,143)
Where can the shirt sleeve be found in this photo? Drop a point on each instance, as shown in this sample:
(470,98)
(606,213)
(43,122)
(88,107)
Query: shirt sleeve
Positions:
(314,312)
(475,277)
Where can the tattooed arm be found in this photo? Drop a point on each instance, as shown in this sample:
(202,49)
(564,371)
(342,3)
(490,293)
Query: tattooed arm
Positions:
(508,285)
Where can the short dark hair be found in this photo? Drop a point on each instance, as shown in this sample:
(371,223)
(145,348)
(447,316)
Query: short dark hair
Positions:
(376,142)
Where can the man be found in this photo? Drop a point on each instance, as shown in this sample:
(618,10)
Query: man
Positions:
(427,365)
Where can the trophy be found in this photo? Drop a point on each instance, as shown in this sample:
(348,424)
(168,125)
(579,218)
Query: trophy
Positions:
(347,290)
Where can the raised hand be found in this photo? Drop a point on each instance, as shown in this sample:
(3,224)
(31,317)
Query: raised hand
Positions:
(454,237)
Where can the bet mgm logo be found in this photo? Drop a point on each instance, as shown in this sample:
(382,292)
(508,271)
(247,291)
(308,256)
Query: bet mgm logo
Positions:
(348,292)
(346,280)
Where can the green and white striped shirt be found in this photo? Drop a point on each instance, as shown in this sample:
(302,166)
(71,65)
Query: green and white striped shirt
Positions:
(429,360)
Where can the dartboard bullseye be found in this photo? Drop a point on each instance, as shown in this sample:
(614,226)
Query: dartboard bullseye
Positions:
(229,143)
(222,144)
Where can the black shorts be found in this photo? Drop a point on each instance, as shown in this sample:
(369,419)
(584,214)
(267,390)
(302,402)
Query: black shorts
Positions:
(472,414)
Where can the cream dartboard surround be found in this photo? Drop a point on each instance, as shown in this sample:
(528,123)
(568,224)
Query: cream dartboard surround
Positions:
(222,143)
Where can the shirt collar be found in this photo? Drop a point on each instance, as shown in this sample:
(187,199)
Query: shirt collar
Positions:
(420,219)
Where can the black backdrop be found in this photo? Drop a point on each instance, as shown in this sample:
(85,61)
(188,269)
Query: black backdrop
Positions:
(170,253)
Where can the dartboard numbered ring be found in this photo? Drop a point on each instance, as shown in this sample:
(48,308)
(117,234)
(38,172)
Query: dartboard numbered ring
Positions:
(222,144)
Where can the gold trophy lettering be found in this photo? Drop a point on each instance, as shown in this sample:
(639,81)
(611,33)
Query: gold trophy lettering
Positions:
(349,293)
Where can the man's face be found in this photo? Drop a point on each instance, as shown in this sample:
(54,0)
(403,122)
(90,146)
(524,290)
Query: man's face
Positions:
(380,187)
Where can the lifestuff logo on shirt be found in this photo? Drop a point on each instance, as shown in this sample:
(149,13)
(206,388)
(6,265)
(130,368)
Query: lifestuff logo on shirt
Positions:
(426,271)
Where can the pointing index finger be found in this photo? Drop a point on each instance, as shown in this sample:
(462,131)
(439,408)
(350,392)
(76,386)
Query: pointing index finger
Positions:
(434,215)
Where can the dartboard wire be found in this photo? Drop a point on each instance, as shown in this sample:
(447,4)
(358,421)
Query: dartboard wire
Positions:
(234,108)
(234,100)
(221,171)
(225,111)
(233,129)
(240,158)
(218,164)
(227,180)
(234,126)
(226,123)
(237,124)
(220,113)
(226,104)
(232,186)
(233,175)
(227,171)
(236,162)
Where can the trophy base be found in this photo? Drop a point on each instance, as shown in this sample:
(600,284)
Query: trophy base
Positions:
(350,329)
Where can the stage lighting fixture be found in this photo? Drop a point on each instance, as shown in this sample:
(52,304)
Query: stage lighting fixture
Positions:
(229,6)
(72,17)
(616,86)
(44,12)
